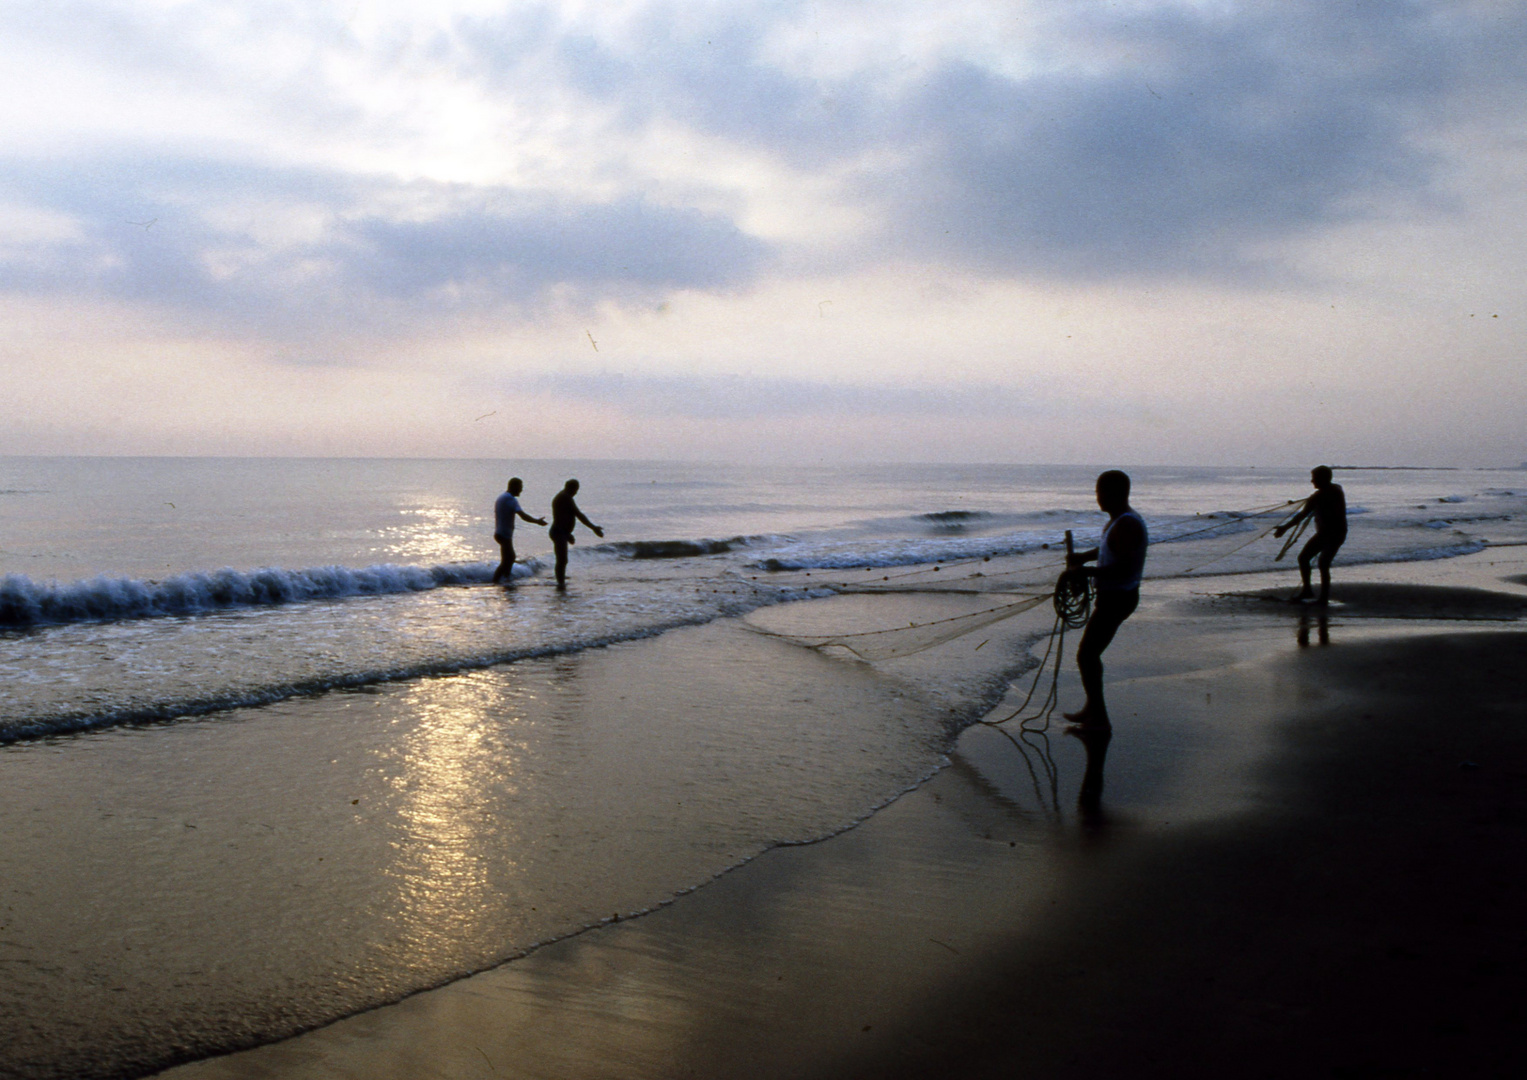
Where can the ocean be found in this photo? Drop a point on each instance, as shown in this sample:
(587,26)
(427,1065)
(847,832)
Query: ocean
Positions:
(275,751)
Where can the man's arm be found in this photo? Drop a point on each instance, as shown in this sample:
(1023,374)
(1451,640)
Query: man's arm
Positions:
(527,517)
(1305,511)
(597,530)
(1074,561)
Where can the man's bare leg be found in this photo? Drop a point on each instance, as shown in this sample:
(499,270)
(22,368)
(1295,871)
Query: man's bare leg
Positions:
(1308,592)
(1107,616)
(1089,662)
(561,546)
(1325,579)
(505,564)
(1094,713)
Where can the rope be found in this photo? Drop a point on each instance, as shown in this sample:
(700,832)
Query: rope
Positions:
(903,629)
(1226,554)
(1238,515)
(1293,539)
(1046,759)
(1071,598)
(897,641)
(1073,607)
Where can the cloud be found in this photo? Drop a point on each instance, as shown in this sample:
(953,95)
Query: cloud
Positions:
(1225,130)
(265,245)
(543,242)
(738,397)
(1137,138)
(613,152)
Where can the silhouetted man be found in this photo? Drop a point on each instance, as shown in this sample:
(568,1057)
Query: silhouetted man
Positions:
(1120,556)
(1329,507)
(505,509)
(564,515)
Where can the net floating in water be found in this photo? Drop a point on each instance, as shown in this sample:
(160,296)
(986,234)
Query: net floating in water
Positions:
(898,641)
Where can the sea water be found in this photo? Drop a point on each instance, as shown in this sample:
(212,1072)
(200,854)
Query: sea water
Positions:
(277,751)
(152,588)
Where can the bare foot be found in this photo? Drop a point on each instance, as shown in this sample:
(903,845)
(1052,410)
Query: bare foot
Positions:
(1085,717)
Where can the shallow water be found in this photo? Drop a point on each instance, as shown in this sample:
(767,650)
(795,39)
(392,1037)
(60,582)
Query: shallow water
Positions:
(264,870)
(351,573)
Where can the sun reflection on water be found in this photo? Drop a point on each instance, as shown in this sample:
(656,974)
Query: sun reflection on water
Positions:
(455,782)
(434,533)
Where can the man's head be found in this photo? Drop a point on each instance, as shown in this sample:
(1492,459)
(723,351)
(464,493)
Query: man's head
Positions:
(571,487)
(1113,491)
(516,485)
(1320,475)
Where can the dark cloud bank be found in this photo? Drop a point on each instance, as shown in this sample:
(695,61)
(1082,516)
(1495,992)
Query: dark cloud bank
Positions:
(1204,130)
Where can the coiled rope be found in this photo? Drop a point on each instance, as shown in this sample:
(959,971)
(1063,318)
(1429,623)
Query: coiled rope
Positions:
(1073,607)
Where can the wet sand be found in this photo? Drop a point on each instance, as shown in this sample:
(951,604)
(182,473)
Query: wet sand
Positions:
(1389,600)
(1306,861)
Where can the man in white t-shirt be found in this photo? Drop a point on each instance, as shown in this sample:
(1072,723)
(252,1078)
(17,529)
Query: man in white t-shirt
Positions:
(505,509)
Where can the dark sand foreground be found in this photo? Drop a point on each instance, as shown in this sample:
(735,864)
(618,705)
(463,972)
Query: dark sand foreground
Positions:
(1308,862)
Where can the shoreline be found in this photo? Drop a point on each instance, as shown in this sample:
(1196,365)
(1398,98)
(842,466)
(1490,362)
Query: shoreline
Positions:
(979,921)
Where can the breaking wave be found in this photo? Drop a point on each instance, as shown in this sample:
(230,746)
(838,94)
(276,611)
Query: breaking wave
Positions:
(24,602)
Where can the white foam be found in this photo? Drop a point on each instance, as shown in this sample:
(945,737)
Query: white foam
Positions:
(847,555)
(24,602)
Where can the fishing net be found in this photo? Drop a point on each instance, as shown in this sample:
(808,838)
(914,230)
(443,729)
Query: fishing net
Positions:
(899,641)
(1016,575)
(1179,548)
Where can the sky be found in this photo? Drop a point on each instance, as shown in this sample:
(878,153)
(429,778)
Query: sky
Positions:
(1145,232)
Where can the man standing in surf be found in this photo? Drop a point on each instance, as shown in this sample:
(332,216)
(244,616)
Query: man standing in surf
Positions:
(1120,556)
(564,515)
(505,509)
(1329,507)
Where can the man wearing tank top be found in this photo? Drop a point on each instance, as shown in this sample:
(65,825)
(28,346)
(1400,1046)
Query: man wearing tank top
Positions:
(1120,556)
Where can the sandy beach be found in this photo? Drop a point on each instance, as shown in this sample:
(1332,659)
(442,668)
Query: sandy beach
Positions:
(1305,862)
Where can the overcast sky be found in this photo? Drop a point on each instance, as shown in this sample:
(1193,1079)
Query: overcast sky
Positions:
(1111,233)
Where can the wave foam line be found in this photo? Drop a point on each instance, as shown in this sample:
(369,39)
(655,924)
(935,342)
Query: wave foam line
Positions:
(24,602)
(38,727)
(914,553)
(17,729)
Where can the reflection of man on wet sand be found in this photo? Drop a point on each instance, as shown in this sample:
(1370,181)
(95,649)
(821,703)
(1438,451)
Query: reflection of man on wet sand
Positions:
(564,516)
(1329,507)
(1089,797)
(1120,556)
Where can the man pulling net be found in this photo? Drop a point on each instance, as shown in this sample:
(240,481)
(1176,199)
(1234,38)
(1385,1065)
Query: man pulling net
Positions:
(1328,509)
(1120,556)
